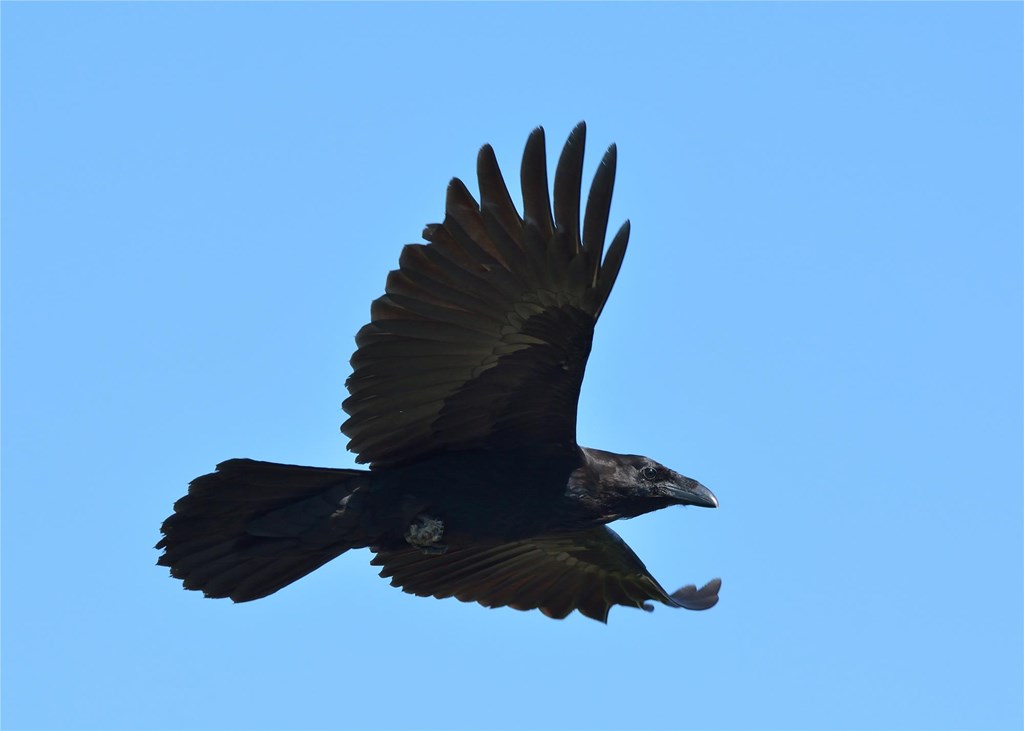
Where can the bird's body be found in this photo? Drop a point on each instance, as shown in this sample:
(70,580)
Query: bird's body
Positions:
(481,496)
(463,400)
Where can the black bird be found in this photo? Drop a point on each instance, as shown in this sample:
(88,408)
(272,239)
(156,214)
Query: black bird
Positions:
(463,402)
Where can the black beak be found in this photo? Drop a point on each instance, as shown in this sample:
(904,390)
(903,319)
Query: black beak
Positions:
(691,492)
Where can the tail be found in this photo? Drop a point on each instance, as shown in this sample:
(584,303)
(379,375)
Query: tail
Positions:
(251,528)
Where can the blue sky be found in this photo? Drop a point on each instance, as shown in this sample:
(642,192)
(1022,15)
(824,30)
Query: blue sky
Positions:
(820,318)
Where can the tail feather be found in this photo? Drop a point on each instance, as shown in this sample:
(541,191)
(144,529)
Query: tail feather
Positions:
(251,528)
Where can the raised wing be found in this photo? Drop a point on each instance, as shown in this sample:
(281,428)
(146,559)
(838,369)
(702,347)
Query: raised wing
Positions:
(588,570)
(482,337)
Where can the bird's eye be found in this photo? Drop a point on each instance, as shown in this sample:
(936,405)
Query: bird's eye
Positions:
(649,473)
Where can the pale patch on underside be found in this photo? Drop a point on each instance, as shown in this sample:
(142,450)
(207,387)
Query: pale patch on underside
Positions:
(425,533)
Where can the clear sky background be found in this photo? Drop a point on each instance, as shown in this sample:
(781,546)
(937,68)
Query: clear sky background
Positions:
(820,318)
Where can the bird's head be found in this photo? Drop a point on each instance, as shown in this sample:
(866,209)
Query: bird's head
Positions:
(631,485)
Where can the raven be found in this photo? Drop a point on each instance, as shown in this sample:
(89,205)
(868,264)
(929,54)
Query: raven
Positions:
(463,402)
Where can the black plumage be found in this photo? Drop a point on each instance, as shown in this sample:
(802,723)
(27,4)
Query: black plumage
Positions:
(463,401)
